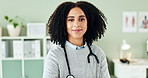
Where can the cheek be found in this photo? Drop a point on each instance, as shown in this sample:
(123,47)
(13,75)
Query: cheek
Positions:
(68,26)
(85,26)
(85,29)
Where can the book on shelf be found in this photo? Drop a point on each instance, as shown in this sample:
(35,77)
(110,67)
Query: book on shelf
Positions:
(36,48)
(28,49)
(17,49)
(32,49)
(4,49)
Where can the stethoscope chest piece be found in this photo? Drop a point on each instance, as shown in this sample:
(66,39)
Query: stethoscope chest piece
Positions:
(70,76)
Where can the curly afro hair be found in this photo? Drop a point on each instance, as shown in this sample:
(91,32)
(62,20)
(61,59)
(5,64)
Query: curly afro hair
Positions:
(57,22)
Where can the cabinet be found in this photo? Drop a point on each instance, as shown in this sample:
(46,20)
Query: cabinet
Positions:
(21,65)
(136,69)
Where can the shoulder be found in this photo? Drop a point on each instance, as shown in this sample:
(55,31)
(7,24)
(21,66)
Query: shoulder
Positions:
(55,51)
(56,48)
(100,54)
(98,51)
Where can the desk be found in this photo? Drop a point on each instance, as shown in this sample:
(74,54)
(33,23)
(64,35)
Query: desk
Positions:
(136,69)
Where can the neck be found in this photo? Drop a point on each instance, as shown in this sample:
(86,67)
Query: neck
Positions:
(77,42)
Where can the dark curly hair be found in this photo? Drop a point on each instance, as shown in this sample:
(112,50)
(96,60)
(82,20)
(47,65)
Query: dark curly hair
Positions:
(57,22)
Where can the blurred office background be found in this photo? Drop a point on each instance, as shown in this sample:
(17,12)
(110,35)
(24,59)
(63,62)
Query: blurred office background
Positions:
(40,11)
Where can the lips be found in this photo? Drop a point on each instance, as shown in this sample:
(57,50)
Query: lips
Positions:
(77,30)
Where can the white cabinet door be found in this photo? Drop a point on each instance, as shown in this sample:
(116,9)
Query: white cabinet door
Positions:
(129,70)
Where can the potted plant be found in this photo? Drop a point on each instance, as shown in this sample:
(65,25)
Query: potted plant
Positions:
(14,25)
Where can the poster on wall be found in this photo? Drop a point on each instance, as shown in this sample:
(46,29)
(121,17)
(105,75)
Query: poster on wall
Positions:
(129,22)
(143,22)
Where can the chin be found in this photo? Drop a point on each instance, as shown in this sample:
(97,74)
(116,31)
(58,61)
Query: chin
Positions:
(77,37)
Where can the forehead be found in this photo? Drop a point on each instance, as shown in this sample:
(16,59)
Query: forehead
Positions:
(76,11)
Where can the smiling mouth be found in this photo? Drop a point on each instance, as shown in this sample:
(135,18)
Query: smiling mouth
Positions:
(77,30)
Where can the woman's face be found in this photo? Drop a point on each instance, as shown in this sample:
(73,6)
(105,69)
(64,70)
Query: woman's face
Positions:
(76,23)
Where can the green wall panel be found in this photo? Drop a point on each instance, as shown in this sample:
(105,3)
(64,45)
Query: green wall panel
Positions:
(12,69)
(40,11)
(33,68)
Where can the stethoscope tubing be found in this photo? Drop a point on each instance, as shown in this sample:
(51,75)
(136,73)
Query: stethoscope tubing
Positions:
(67,61)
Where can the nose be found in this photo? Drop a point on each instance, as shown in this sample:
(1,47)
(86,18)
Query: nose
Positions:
(76,24)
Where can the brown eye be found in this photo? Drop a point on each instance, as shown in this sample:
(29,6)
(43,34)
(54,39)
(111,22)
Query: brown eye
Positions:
(71,20)
(81,19)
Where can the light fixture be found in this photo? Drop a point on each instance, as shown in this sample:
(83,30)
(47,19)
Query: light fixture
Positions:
(125,46)
(125,55)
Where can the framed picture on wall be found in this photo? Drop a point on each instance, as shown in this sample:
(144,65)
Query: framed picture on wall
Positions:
(129,21)
(36,29)
(143,22)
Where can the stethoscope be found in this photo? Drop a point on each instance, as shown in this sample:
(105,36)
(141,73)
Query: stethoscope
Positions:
(88,58)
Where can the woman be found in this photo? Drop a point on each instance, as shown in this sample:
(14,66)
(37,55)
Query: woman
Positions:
(74,27)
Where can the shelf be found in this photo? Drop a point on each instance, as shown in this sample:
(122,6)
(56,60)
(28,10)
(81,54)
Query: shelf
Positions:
(26,64)
(4,59)
(5,37)
(41,58)
(25,37)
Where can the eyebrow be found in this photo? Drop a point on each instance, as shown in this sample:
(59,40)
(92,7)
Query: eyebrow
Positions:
(73,16)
